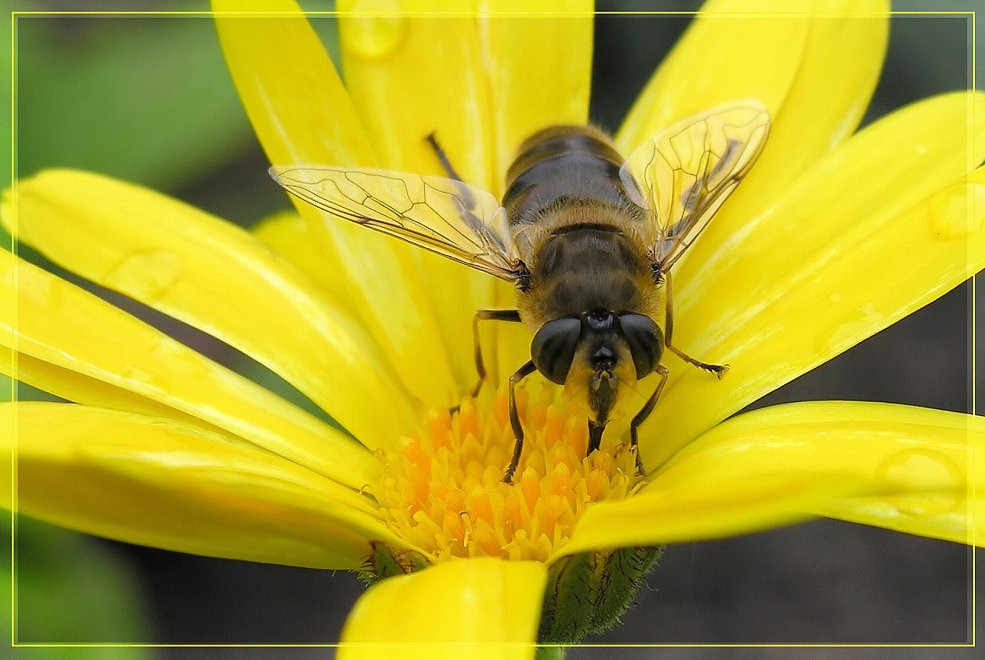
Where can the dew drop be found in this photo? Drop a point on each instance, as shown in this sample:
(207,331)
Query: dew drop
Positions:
(925,470)
(47,293)
(377,32)
(958,211)
(147,275)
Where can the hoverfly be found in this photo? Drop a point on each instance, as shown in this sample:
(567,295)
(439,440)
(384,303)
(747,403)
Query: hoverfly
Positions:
(587,237)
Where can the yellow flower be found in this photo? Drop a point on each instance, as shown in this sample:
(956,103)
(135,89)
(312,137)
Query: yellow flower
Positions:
(169,449)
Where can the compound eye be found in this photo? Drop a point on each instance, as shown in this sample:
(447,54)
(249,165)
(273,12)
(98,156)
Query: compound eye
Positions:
(553,348)
(645,341)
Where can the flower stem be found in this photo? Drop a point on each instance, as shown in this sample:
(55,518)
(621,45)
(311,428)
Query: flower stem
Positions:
(551,652)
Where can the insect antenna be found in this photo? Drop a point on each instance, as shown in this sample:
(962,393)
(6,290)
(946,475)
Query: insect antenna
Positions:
(442,156)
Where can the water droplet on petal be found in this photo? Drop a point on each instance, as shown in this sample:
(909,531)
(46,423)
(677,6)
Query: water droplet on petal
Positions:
(934,480)
(958,211)
(377,32)
(47,293)
(147,275)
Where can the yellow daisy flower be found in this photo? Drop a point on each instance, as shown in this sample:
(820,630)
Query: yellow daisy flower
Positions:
(164,447)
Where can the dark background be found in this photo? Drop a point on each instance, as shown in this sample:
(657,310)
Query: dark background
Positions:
(816,583)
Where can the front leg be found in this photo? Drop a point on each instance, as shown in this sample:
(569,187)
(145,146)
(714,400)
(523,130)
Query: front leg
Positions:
(510,315)
(521,373)
(634,435)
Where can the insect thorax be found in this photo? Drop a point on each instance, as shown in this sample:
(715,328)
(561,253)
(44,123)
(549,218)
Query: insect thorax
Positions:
(575,227)
(581,268)
(560,165)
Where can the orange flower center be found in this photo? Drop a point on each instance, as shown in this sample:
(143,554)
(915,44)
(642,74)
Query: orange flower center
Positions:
(443,489)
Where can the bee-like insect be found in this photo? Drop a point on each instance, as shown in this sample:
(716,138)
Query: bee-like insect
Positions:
(587,237)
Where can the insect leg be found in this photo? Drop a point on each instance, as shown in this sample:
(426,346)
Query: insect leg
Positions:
(717,369)
(518,375)
(634,436)
(510,315)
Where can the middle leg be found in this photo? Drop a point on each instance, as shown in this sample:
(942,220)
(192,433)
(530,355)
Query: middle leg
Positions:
(634,435)
(511,315)
(717,369)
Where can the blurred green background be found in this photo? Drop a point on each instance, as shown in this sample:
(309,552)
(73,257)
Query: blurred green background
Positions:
(148,99)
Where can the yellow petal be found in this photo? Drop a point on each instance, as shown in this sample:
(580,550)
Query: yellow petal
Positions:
(218,278)
(55,322)
(289,236)
(294,98)
(486,608)
(77,387)
(813,63)
(729,51)
(412,72)
(942,492)
(157,482)
(879,228)
(481,79)
(303,115)
(413,69)
(538,65)
(897,466)
(827,98)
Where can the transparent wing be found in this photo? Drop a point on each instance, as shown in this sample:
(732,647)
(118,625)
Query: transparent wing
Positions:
(685,173)
(461,222)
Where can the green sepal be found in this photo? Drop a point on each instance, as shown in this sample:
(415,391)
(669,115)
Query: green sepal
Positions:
(588,592)
(384,562)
